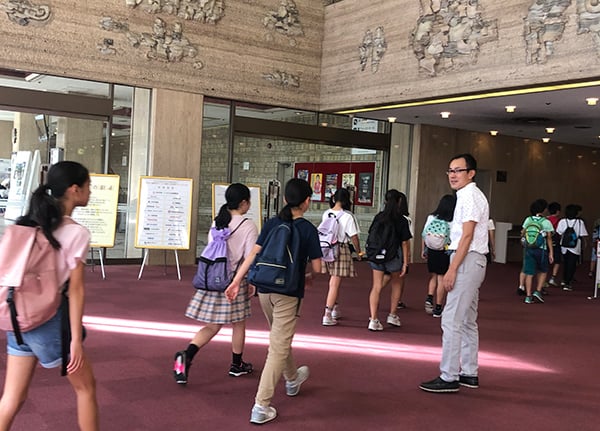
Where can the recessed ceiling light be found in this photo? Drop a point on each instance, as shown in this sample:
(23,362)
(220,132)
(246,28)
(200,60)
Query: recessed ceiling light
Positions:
(510,108)
(545,140)
(392,119)
(493,132)
(591,101)
(445,114)
(550,129)
(579,156)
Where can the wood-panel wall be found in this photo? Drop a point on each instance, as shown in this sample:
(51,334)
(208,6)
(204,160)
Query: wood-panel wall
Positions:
(236,51)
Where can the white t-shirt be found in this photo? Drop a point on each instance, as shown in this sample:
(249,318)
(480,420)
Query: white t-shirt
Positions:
(578,226)
(348,227)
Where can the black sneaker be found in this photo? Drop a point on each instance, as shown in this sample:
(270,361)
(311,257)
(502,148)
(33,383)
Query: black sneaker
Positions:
(240,370)
(437,311)
(181,368)
(401,305)
(521,292)
(440,385)
(469,381)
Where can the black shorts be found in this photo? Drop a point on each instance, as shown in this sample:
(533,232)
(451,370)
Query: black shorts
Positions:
(438,261)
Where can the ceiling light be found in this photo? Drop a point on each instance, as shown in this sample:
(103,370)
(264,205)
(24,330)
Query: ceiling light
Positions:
(445,114)
(510,108)
(550,129)
(493,132)
(591,101)
(392,119)
(324,124)
(545,140)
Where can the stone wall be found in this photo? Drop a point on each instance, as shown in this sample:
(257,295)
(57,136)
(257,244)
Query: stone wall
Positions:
(431,51)
(237,57)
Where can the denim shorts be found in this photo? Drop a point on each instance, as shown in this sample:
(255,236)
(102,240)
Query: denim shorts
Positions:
(43,342)
(394,265)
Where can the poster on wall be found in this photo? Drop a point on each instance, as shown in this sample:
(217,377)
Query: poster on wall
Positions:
(327,177)
(316,182)
(365,187)
(164,213)
(348,180)
(331,181)
(100,214)
(255,211)
(303,174)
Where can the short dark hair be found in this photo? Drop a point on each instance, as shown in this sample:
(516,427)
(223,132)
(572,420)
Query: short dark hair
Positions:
(572,210)
(554,207)
(538,206)
(471,162)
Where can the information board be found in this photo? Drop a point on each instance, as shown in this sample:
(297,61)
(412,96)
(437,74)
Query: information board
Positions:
(255,211)
(100,214)
(164,213)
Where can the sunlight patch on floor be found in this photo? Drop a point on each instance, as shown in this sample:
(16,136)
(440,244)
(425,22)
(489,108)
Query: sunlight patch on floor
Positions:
(305,341)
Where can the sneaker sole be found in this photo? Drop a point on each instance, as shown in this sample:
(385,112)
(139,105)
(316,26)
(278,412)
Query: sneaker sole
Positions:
(394,324)
(375,330)
(329,323)
(467,385)
(242,373)
(439,391)
(540,300)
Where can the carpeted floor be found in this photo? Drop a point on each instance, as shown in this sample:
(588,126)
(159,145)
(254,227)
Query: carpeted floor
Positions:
(538,363)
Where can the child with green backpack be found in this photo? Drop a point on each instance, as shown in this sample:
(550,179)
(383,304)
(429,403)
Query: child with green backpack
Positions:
(536,238)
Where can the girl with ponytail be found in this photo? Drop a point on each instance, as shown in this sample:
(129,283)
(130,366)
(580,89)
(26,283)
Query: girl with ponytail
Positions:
(50,208)
(282,311)
(212,307)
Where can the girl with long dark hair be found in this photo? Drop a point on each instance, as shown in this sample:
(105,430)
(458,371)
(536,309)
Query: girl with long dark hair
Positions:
(50,208)
(213,308)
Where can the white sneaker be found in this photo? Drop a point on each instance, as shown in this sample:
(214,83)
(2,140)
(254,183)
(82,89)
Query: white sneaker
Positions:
(328,319)
(375,325)
(292,387)
(335,313)
(394,320)
(261,415)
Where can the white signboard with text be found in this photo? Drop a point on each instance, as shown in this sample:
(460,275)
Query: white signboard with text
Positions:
(164,213)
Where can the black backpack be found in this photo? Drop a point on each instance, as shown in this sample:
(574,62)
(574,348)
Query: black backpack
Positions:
(276,268)
(569,237)
(382,242)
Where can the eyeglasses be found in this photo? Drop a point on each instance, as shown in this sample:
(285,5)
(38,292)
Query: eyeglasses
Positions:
(456,171)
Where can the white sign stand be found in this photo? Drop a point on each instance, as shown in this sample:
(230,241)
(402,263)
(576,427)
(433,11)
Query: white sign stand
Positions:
(164,216)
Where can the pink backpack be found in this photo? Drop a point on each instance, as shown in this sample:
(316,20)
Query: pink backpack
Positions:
(29,291)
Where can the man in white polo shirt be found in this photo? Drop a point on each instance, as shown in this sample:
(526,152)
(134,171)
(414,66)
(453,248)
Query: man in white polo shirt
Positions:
(469,244)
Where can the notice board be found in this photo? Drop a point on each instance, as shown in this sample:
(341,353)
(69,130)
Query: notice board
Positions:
(100,214)
(326,178)
(164,213)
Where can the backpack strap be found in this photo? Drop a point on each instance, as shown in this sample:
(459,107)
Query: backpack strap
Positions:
(65,329)
(238,226)
(237,265)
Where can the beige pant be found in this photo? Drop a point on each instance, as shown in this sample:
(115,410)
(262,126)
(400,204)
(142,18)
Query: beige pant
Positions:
(282,314)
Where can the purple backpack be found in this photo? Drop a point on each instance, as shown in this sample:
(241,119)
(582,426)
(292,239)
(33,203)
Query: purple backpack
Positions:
(213,273)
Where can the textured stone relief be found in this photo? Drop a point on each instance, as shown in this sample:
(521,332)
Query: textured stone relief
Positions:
(544,25)
(372,49)
(23,12)
(282,79)
(449,34)
(163,44)
(285,20)
(588,17)
(328,2)
(208,11)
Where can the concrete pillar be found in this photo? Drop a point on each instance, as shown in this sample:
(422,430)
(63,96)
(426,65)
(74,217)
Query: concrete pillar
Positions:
(176,130)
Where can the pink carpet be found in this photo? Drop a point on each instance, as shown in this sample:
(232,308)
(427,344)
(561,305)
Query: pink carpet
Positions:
(538,363)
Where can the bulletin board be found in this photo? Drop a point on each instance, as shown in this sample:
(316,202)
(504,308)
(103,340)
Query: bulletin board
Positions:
(100,214)
(255,211)
(326,178)
(164,214)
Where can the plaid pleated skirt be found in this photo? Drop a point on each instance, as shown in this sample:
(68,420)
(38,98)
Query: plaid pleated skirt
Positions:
(213,307)
(343,266)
